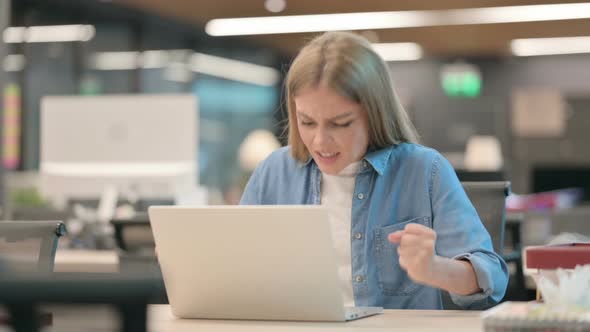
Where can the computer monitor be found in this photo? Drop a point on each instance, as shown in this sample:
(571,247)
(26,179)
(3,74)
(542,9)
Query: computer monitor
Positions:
(140,144)
(555,177)
(471,176)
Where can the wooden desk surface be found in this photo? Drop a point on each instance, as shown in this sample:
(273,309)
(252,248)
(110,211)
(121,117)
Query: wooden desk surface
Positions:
(161,320)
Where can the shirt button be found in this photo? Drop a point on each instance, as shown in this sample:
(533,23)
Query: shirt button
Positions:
(358,236)
(364,164)
(360,196)
(359,278)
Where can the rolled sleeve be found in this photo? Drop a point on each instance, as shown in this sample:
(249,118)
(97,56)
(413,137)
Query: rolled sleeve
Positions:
(491,283)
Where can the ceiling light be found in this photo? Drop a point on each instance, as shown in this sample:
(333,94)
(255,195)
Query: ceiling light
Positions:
(548,46)
(154,59)
(178,72)
(14,35)
(398,51)
(49,34)
(275,6)
(162,58)
(395,19)
(175,62)
(115,61)
(311,23)
(14,63)
(234,70)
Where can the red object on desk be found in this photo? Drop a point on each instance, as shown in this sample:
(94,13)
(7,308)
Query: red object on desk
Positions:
(565,256)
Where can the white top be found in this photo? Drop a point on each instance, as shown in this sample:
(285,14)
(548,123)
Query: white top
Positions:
(337,192)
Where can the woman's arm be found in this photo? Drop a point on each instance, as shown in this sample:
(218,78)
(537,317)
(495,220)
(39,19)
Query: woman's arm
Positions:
(417,257)
(461,236)
(455,276)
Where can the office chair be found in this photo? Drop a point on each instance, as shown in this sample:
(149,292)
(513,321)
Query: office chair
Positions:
(489,200)
(31,245)
(487,176)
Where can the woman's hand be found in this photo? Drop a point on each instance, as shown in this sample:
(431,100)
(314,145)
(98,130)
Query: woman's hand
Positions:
(416,251)
(418,259)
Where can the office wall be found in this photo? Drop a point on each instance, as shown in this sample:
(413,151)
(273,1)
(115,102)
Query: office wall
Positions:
(446,123)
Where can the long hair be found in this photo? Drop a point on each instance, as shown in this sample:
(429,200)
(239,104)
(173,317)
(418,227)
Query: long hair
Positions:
(346,63)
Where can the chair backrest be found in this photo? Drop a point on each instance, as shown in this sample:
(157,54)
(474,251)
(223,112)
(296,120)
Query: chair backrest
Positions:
(489,200)
(30,245)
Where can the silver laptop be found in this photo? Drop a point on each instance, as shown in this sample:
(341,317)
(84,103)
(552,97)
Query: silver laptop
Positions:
(250,262)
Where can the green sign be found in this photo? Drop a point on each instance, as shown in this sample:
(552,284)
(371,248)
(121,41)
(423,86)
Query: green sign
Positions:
(462,84)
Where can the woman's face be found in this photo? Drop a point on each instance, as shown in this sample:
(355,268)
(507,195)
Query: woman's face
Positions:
(333,128)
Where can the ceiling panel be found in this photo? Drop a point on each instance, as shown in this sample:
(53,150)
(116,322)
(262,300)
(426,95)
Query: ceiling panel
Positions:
(472,40)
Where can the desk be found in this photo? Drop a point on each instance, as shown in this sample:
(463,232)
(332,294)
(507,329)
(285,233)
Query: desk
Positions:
(97,261)
(160,319)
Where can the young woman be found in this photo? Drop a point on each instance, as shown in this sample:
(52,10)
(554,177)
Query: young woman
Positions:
(402,225)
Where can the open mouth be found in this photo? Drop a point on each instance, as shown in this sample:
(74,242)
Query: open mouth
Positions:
(327,157)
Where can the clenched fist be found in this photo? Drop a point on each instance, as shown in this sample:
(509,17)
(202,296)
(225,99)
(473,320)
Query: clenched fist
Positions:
(416,251)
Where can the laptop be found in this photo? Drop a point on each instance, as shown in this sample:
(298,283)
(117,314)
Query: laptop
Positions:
(250,262)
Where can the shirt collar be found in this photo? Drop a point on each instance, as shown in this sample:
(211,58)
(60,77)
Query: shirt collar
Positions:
(378,159)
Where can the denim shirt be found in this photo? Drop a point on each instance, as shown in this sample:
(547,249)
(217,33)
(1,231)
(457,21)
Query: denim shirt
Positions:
(406,183)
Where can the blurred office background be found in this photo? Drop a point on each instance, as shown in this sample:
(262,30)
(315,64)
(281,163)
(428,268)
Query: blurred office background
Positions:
(461,80)
(500,87)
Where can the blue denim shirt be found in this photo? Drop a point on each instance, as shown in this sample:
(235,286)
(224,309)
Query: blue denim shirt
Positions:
(406,183)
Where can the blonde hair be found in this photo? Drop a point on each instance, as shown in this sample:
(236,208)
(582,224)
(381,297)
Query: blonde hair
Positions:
(346,63)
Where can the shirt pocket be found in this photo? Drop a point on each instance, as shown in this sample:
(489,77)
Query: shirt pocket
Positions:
(392,279)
